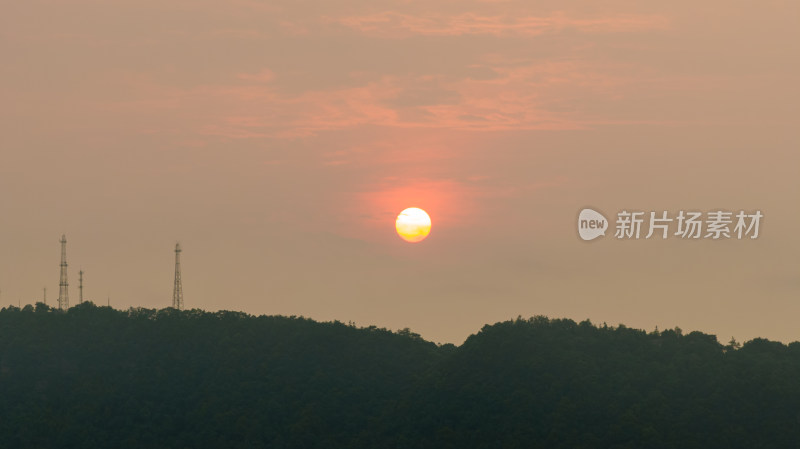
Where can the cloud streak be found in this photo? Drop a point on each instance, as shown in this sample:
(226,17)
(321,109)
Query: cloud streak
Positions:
(396,24)
(534,96)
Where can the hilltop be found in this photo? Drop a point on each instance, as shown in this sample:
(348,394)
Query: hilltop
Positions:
(99,377)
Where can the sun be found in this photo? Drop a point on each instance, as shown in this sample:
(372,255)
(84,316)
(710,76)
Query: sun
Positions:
(413,225)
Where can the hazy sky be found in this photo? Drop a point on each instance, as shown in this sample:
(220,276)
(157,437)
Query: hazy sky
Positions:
(278,141)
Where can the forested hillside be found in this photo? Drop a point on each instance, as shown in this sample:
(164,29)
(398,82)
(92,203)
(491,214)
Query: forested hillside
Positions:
(98,377)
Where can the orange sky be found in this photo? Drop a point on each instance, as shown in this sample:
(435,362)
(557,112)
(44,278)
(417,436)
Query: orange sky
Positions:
(277,141)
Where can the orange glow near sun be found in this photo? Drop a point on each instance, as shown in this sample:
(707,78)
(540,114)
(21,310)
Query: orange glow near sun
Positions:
(413,225)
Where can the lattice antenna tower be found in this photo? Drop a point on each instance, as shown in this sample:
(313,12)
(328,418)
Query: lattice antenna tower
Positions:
(177,290)
(63,285)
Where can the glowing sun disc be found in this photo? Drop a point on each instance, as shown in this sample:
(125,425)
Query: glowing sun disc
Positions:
(413,225)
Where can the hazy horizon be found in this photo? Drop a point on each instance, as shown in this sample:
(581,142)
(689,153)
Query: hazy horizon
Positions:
(277,142)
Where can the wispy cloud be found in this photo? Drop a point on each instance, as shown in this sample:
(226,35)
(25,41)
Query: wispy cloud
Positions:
(539,95)
(507,103)
(396,24)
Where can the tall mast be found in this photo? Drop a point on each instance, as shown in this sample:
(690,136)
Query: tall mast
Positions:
(80,287)
(63,285)
(177,290)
